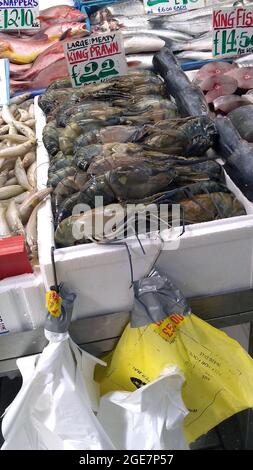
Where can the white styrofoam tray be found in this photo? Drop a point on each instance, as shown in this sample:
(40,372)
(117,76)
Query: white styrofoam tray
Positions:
(212,257)
(22,303)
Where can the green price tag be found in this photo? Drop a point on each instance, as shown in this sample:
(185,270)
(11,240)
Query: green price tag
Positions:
(95,59)
(232,32)
(19,14)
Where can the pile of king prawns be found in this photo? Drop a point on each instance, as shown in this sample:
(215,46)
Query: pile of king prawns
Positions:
(19,198)
(124,140)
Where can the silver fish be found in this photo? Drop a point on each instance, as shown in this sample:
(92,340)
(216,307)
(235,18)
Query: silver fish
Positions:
(195,55)
(190,15)
(138,43)
(164,34)
(122,7)
(134,21)
(127,7)
(193,28)
(200,44)
(140,61)
(245,61)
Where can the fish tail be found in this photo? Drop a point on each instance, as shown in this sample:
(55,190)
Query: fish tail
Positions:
(41,36)
(5,48)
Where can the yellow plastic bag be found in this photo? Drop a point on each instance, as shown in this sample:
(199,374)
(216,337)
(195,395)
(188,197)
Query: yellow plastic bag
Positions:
(218,372)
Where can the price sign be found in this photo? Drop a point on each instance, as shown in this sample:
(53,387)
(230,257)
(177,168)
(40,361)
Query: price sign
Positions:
(19,14)
(95,58)
(171,6)
(232,31)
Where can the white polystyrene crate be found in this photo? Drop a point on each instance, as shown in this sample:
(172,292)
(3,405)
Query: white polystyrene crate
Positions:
(212,257)
(99,275)
(22,303)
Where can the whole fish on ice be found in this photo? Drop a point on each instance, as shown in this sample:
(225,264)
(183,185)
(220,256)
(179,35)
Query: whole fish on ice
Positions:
(50,56)
(195,55)
(201,44)
(123,7)
(163,34)
(194,28)
(22,51)
(133,21)
(61,13)
(16,69)
(62,30)
(142,43)
(45,77)
(140,61)
(245,61)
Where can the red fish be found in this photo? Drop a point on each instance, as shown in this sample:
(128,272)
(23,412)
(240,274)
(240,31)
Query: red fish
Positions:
(62,31)
(17,69)
(50,56)
(47,76)
(61,14)
(22,51)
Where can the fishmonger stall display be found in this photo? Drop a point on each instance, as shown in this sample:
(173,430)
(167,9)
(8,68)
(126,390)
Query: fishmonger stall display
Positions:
(126,198)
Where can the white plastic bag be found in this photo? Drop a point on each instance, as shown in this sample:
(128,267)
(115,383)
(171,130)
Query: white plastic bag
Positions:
(150,418)
(54,408)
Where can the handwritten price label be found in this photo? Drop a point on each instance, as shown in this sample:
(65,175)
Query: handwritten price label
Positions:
(232,32)
(19,14)
(171,6)
(95,59)
(167,328)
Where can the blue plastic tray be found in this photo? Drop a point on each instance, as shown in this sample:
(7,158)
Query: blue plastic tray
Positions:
(196,64)
(93,5)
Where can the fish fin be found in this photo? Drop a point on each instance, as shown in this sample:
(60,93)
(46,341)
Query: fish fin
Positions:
(66,34)
(5,47)
(40,36)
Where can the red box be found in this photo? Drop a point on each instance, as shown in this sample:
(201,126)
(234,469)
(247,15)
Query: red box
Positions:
(13,257)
